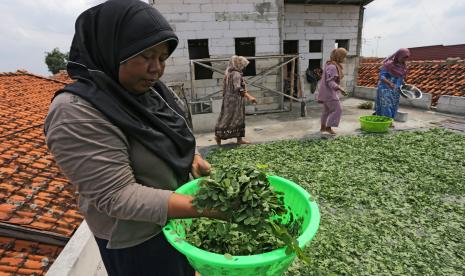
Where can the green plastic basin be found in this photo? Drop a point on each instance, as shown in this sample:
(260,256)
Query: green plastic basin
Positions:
(374,123)
(275,262)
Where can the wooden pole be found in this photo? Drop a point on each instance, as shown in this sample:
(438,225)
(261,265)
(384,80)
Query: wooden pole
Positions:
(299,88)
(292,83)
(192,79)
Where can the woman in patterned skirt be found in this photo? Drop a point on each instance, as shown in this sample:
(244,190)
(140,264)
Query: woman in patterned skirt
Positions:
(391,77)
(231,122)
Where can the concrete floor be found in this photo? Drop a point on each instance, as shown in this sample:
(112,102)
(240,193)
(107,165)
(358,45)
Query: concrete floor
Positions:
(290,125)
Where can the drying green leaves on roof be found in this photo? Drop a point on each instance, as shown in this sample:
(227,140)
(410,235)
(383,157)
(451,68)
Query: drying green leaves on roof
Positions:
(390,204)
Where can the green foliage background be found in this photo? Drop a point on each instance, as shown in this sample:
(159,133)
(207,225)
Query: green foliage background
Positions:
(390,204)
(56,60)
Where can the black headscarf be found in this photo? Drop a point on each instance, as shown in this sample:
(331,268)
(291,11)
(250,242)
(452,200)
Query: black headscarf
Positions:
(105,36)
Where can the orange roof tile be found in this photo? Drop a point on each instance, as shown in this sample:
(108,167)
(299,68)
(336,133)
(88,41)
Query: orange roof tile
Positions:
(62,76)
(34,194)
(434,77)
(21,257)
(32,184)
(371,59)
(29,176)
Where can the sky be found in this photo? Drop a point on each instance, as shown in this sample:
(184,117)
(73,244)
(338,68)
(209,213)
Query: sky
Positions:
(30,28)
(393,24)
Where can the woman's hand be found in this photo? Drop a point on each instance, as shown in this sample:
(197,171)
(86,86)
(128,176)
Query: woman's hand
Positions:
(253,100)
(390,84)
(250,98)
(343,92)
(180,206)
(200,167)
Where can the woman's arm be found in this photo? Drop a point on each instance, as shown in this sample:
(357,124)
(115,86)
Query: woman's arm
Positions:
(242,89)
(250,98)
(180,206)
(332,78)
(384,77)
(94,156)
(237,82)
(389,83)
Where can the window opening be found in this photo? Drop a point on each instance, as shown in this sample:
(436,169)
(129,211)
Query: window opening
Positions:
(245,46)
(198,48)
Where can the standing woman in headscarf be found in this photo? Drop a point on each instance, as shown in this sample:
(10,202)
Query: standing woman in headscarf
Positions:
(231,121)
(391,77)
(329,89)
(120,138)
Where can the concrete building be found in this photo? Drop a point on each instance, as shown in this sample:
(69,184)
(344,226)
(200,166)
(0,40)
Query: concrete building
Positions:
(219,29)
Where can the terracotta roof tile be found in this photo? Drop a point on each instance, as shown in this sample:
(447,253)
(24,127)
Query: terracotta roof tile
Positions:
(21,257)
(33,192)
(435,77)
(31,185)
(371,59)
(62,76)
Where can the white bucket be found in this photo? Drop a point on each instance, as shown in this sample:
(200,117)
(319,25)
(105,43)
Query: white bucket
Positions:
(401,117)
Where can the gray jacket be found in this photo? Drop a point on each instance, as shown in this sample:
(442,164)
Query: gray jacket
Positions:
(123,188)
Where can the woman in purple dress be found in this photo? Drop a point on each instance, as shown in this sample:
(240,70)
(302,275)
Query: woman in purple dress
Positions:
(328,94)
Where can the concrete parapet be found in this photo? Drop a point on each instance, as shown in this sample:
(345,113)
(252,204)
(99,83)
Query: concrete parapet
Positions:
(79,257)
(369,93)
(423,103)
(365,92)
(451,104)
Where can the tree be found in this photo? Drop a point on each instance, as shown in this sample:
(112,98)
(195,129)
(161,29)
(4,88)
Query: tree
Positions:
(56,60)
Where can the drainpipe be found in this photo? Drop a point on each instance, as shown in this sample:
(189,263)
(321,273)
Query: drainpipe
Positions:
(280,6)
(361,12)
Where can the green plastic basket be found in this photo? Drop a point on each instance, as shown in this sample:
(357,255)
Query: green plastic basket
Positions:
(275,262)
(374,123)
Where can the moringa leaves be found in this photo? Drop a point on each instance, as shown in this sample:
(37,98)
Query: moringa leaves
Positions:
(390,204)
(255,214)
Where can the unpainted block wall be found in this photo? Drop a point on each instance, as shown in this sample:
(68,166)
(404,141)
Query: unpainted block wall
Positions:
(270,22)
(220,22)
(327,23)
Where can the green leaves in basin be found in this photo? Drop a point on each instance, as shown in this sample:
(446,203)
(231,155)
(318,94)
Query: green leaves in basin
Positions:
(254,209)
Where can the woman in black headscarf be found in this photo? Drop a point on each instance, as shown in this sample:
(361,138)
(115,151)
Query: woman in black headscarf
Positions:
(118,135)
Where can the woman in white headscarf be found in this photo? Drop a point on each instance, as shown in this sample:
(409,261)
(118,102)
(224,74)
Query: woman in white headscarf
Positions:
(231,122)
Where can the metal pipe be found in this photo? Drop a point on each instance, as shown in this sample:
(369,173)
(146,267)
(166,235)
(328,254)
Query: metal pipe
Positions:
(192,68)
